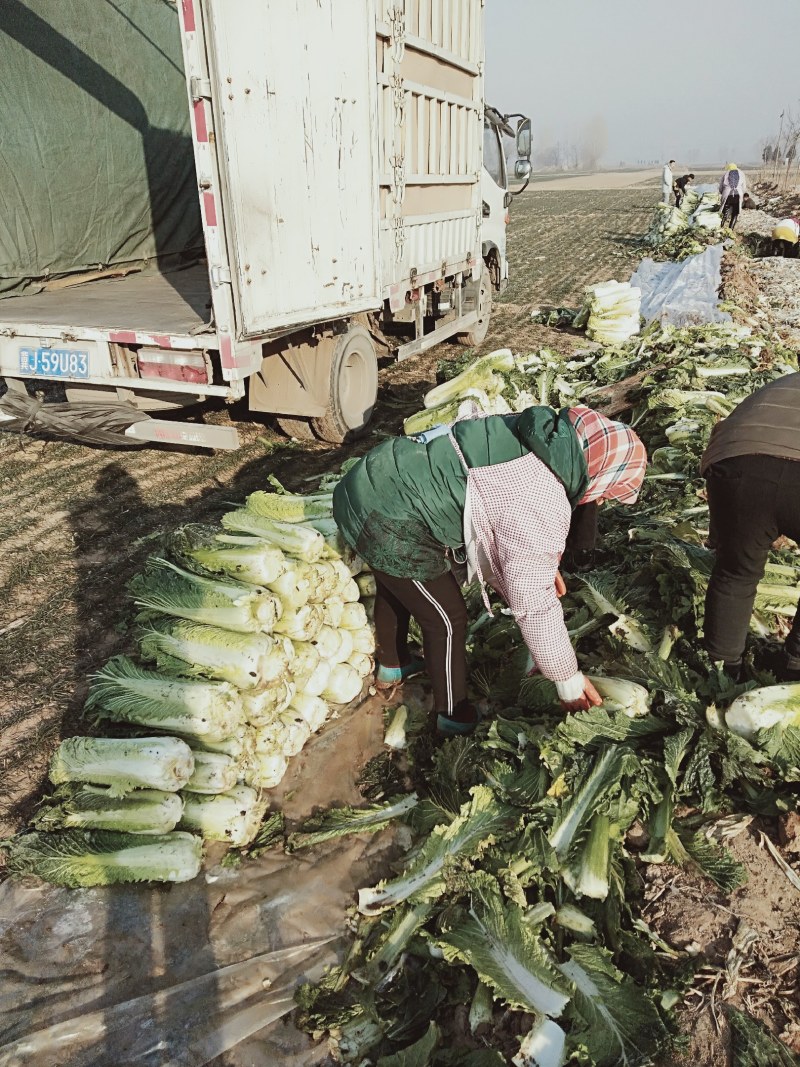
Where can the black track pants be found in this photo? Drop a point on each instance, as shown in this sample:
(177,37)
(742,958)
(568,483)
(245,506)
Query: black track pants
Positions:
(731,210)
(753,500)
(439,608)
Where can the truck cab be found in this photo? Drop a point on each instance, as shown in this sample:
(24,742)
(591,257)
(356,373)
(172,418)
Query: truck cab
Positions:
(500,143)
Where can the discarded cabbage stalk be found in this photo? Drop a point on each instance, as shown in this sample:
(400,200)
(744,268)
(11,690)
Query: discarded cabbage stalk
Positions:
(543,1046)
(395,736)
(764,709)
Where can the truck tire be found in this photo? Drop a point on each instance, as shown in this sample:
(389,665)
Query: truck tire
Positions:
(299,429)
(477,335)
(352,388)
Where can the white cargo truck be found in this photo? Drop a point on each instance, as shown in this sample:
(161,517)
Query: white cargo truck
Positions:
(352,195)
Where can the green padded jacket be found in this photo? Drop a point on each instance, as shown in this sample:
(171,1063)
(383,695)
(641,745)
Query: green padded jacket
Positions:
(401,507)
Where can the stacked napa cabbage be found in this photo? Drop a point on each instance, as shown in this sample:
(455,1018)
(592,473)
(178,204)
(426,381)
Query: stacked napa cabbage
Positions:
(612,312)
(249,634)
(698,214)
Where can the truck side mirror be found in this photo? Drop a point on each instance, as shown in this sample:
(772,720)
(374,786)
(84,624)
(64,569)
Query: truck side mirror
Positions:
(523,140)
(522,170)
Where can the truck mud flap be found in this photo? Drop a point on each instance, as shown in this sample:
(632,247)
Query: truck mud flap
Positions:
(160,431)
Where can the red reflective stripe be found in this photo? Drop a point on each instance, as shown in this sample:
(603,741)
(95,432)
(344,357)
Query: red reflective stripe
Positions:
(226,355)
(200,128)
(188,15)
(122,337)
(210,209)
(162,340)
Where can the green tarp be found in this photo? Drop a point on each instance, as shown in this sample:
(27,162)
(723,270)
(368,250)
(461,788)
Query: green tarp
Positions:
(96,164)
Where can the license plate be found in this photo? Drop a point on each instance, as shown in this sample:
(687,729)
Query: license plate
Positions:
(53,363)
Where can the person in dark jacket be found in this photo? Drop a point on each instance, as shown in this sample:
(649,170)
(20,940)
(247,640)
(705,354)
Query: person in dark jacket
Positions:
(679,187)
(752,472)
(496,493)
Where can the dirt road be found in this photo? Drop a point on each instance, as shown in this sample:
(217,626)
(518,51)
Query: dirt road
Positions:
(603,180)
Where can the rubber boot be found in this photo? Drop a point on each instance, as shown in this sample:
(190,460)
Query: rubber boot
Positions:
(389,677)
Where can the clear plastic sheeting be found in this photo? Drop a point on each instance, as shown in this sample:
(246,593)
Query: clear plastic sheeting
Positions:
(685,293)
(197,973)
(188,1024)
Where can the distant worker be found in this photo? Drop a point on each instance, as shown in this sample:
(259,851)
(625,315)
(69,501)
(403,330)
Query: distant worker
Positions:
(679,187)
(785,237)
(732,188)
(666,181)
(752,472)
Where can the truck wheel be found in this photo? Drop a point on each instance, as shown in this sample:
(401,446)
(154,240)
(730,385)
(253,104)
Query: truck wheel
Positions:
(299,429)
(352,388)
(477,335)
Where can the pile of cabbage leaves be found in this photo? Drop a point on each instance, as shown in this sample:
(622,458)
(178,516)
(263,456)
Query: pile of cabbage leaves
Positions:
(509,930)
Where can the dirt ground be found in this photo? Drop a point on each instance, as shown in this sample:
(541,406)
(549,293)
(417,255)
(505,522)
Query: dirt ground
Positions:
(78,522)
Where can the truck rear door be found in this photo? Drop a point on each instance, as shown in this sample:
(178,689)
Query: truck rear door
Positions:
(294,100)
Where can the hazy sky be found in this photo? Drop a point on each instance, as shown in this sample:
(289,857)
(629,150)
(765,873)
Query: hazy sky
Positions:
(694,80)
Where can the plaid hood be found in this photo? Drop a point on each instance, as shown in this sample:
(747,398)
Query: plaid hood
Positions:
(615,457)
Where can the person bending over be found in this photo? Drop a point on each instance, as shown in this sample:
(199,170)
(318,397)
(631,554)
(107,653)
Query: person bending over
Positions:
(497,493)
